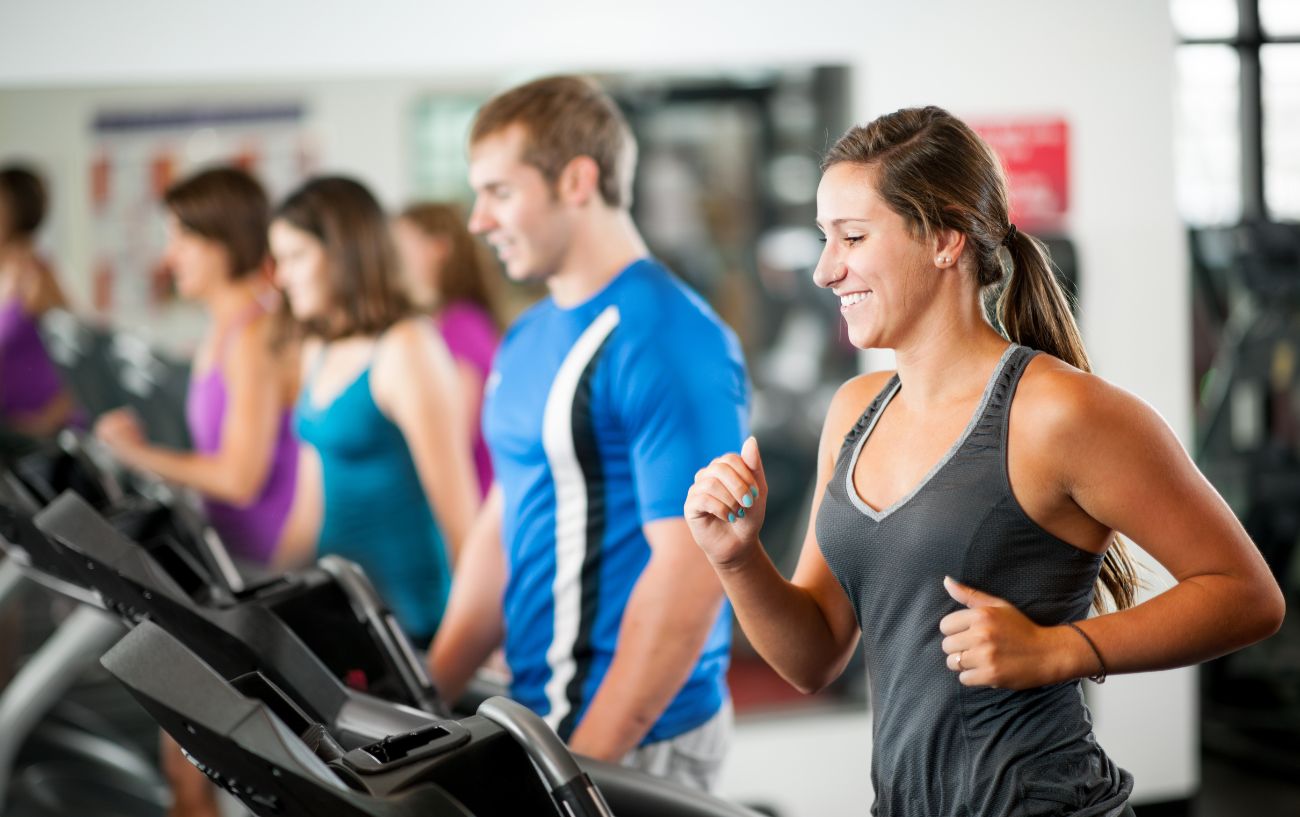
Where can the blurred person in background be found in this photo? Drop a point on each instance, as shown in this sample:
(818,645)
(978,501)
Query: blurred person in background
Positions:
(601,401)
(33,400)
(243,380)
(386,476)
(451,277)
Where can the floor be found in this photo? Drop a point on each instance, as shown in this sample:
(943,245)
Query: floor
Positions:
(1231,790)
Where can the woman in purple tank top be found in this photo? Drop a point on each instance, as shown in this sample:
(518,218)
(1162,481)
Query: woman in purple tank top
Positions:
(244,461)
(450,277)
(32,398)
(245,458)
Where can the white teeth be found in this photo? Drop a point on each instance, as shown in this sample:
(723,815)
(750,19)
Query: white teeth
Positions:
(852,298)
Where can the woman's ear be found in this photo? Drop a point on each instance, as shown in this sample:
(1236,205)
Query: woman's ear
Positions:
(948,246)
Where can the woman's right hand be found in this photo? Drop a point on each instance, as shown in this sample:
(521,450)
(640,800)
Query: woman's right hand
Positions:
(726,505)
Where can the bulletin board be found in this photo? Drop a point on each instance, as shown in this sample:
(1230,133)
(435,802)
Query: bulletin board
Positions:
(137,155)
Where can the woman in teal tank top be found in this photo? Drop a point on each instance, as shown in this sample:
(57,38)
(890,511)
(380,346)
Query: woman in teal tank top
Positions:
(386,479)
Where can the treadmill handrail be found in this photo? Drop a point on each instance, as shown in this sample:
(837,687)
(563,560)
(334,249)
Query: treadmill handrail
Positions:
(546,749)
(567,782)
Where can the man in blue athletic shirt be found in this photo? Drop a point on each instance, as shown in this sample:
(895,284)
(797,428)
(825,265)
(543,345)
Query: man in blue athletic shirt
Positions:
(603,400)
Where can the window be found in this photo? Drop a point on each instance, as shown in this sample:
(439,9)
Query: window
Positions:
(1280,18)
(1238,110)
(1207,137)
(1204,19)
(1280,89)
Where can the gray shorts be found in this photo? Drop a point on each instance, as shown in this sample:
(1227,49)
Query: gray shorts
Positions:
(691,759)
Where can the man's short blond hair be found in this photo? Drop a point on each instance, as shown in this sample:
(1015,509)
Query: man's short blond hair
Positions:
(564,117)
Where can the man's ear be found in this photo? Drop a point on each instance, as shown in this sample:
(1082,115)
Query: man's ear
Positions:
(579,181)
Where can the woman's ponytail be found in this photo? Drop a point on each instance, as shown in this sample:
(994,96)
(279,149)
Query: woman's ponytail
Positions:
(1035,312)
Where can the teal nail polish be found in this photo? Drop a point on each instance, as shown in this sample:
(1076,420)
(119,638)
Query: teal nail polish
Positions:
(746,500)
(740,514)
(731,517)
(753,489)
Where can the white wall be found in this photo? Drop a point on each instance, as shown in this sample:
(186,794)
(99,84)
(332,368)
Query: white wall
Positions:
(1106,66)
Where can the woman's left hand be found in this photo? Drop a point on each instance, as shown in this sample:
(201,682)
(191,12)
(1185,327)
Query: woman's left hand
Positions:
(991,643)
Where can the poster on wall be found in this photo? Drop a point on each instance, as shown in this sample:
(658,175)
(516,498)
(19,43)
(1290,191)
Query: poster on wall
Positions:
(1035,154)
(137,155)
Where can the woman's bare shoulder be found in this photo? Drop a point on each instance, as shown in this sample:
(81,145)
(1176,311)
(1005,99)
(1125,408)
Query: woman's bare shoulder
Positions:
(1068,405)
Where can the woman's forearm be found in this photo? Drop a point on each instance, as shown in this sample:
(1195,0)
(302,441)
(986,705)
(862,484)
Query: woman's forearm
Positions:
(784,622)
(1200,618)
(210,475)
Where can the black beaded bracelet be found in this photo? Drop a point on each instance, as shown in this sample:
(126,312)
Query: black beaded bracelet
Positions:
(1100,677)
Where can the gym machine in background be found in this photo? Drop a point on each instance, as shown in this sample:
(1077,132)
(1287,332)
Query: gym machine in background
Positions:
(1246,341)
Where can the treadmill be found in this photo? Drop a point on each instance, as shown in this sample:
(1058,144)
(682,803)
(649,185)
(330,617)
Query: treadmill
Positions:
(320,651)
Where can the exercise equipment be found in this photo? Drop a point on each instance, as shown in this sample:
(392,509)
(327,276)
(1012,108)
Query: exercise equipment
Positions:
(64,760)
(305,645)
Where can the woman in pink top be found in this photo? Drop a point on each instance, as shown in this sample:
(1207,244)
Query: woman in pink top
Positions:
(32,398)
(451,277)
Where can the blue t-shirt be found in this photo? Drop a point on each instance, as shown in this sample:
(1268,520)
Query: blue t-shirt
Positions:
(597,418)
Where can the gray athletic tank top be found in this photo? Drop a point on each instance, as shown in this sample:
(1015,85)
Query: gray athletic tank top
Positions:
(941,749)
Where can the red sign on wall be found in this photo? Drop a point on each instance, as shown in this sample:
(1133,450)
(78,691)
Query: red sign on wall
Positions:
(1035,153)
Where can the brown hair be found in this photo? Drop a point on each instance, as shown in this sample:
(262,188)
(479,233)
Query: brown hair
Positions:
(228,206)
(361,264)
(938,174)
(470,271)
(564,117)
(25,192)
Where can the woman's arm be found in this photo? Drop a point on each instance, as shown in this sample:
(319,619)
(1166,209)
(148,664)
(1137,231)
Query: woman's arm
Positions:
(473,625)
(236,472)
(1121,464)
(1126,469)
(805,628)
(301,532)
(297,545)
(471,398)
(415,385)
(46,420)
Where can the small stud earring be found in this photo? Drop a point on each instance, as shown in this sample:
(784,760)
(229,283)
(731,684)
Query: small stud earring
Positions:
(943,259)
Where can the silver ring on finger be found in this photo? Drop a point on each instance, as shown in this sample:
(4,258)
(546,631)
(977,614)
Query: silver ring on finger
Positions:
(960,668)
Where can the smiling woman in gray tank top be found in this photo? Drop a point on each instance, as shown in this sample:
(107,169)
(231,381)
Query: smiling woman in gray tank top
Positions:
(970,506)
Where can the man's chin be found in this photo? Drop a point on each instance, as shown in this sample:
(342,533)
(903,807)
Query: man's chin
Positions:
(521,274)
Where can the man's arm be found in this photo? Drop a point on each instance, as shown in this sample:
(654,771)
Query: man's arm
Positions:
(473,625)
(669,615)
